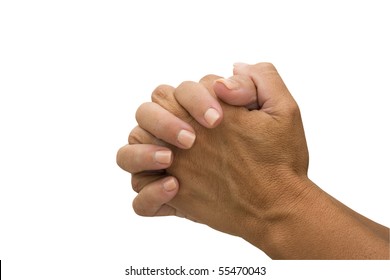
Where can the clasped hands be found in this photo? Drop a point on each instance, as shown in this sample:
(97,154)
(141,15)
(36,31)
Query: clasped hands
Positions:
(228,153)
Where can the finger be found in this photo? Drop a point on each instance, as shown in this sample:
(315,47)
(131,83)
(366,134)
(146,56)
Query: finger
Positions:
(208,82)
(163,95)
(144,178)
(164,125)
(140,136)
(152,199)
(238,90)
(139,157)
(200,103)
(272,93)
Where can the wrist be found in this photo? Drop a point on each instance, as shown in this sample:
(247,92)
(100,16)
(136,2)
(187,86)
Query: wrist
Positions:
(272,229)
(314,225)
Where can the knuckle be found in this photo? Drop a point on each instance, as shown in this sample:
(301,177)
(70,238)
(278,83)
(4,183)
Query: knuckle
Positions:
(209,78)
(135,183)
(184,86)
(292,109)
(162,92)
(266,66)
(184,94)
(120,157)
(142,179)
(140,110)
(138,209)
(132,139)
(135,136)
(128,158)
(139,136)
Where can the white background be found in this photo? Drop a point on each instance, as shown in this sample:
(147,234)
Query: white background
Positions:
(72,74)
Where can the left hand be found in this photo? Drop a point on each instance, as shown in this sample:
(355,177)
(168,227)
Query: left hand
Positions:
(153,197)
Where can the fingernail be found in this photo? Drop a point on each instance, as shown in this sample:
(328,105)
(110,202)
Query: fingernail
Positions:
(211,116)
(163,157)
(169,185)
(186,138)
(230,84)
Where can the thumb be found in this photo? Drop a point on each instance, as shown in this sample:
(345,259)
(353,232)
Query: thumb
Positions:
(272,93)
(238,90)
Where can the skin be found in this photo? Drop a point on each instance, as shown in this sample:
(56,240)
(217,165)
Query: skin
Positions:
(247,165)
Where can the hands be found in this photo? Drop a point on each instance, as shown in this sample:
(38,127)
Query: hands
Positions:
(247,175)
(152,198)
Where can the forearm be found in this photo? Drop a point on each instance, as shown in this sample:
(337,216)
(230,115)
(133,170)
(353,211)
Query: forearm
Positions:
(320,227)
(378,229)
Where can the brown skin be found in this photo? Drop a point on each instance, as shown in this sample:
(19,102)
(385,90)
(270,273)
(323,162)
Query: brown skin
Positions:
(248,176)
